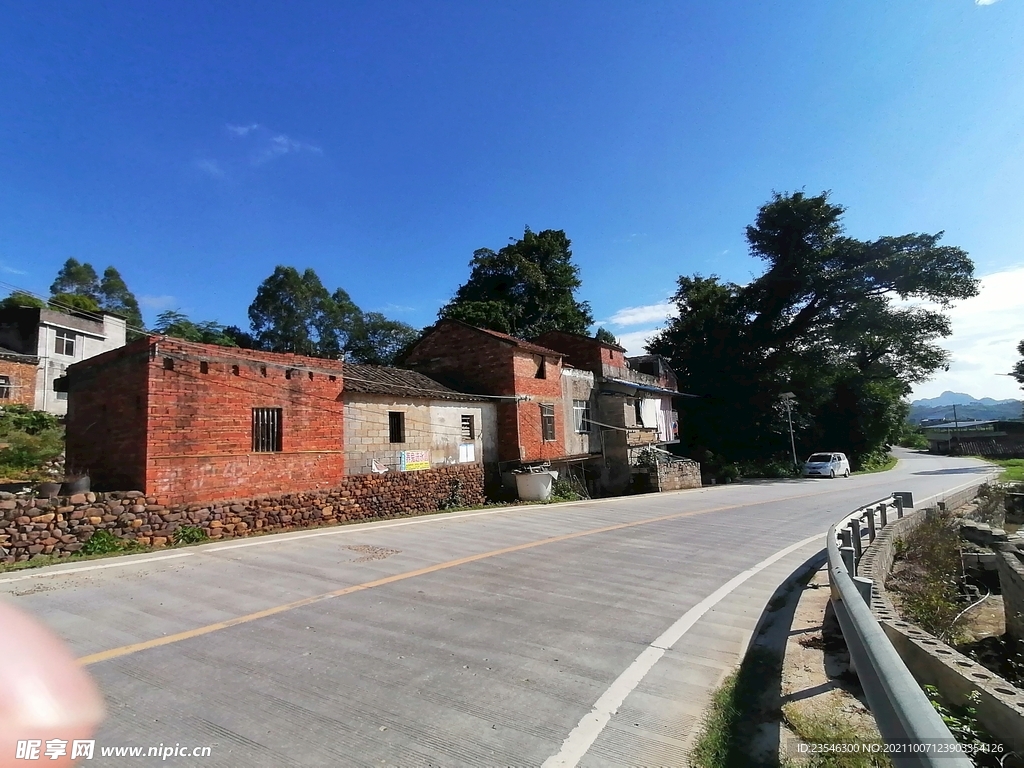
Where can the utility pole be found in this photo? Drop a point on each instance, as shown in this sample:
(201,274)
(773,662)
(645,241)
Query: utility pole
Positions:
(787,398)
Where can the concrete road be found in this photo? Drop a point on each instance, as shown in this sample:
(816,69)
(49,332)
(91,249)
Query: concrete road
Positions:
(588,633)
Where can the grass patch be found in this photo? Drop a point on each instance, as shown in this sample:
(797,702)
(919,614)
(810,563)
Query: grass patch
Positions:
(830,726)
(1013,469)
(731,721)
(29,439)
(884,465)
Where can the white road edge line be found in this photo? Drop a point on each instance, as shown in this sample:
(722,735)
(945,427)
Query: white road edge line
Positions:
(82,568)
(589,728)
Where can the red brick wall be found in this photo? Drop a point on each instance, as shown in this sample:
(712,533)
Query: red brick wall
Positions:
(465,359)
(106,419)
(200,423)
(22,389)
(547,390)
(474,362)
(585,353)
(175,419)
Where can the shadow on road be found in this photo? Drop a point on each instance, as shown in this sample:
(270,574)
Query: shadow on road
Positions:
(982,470)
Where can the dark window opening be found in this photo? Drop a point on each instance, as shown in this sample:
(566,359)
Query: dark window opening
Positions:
(234,370)
(204,367)
(396,426)
(5,387)
(333,378)
(64,343)
(638,410)
(547,423)
(168,363)
(468,428)
(288,373)
(542,372)
(263,371)
(266,430)
(310,375)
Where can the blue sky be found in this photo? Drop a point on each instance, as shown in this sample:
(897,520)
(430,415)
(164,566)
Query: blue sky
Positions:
(197,145)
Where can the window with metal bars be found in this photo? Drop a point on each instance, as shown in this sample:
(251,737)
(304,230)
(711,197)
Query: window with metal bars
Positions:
(396,426)
(547,422)
(5,387)
(468,428)
(266,430)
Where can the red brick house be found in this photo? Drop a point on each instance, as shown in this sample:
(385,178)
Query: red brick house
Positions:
(195,423)
(530,420)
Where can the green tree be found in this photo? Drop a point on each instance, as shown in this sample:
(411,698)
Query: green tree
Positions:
(603,334)
(1018,369)
(74,302)
(22,299)
(115,298)
(291,312)
(820,321)
(526,288)
(178,325)
(380,341)
(78,279)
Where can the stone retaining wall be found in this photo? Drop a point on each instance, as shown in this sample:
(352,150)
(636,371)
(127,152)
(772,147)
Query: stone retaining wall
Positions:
(60,526)
(676,475)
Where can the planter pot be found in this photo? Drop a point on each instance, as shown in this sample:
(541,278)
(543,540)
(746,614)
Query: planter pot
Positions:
(73,485)
(48,490)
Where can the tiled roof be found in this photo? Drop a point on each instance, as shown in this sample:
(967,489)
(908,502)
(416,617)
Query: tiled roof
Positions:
(524,345)
(381,380)
(5,352)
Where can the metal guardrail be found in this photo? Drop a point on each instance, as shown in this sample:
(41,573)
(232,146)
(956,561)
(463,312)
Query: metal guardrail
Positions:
(903,713)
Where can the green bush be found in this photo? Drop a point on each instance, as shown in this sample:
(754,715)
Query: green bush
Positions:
(102,543)
(564,490)
(26,451)
(189,534)
(21,418)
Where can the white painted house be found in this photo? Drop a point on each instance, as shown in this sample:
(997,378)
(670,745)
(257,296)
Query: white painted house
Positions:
(58,339)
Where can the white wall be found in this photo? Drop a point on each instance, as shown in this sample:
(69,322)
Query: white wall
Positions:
(91,339)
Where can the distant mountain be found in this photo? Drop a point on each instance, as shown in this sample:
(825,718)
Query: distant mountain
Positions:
(967,408)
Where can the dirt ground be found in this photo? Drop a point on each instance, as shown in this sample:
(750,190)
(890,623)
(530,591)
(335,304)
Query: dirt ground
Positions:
(816,676)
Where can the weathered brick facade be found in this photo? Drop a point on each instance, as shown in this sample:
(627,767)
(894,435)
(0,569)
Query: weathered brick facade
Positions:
(60,526)
(486,362)
(175,420)
(18,386)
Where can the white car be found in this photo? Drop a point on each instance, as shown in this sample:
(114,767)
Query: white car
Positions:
(827,465)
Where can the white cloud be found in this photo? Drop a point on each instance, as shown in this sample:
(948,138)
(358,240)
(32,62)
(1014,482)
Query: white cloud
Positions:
(241,130)
(12,270)
(985,2)
(649,313)
(282,145)
(635,341)
(157,303)
(210,168)
(986,331)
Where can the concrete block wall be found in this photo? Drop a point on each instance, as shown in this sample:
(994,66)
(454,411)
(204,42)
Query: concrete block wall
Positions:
(1010,564)
(434,426)
(33,527)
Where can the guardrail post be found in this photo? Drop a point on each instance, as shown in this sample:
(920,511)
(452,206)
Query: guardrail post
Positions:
(883,513)
(870,515)
(855,533)
(844,537)
(864,586)
(899,507)
(848,559)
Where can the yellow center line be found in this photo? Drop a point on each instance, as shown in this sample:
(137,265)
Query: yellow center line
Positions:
(126,650)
